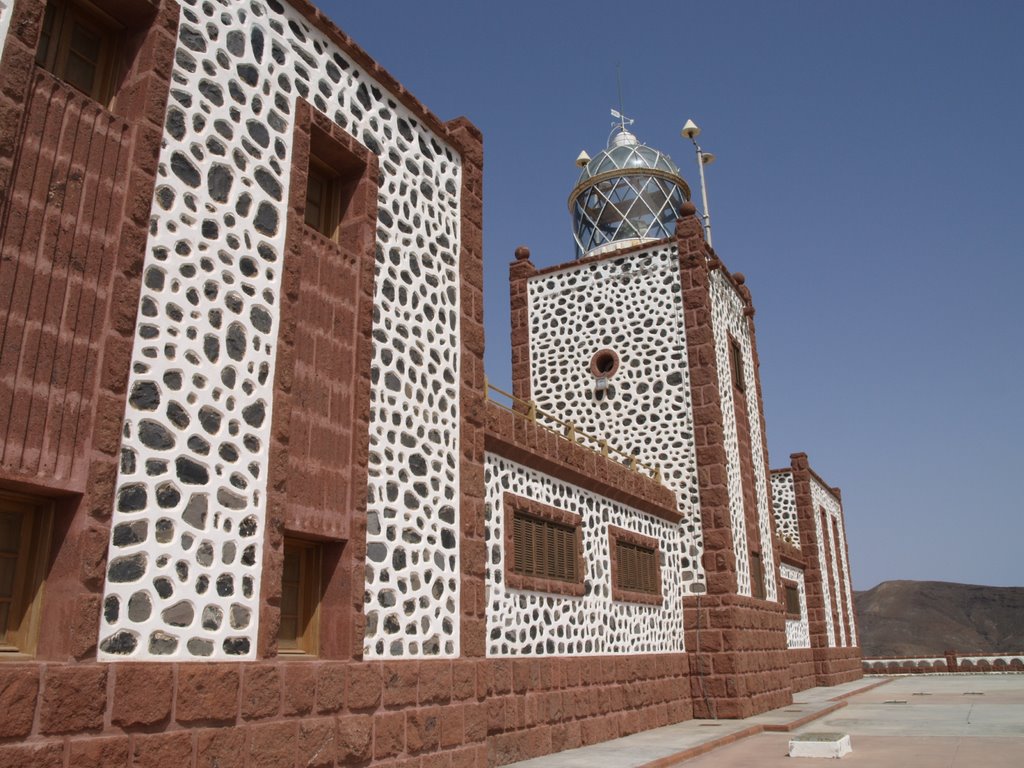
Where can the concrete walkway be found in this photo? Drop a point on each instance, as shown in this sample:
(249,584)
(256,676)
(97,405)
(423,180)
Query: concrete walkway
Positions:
(914,721)
(673,744)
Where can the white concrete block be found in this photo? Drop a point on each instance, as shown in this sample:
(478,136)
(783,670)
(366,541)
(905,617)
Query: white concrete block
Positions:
(820,745)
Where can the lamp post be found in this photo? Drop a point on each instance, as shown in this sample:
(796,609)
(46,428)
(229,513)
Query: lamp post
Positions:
(691,132)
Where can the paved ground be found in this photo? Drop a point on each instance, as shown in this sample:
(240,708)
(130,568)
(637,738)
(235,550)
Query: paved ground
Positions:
(966,721)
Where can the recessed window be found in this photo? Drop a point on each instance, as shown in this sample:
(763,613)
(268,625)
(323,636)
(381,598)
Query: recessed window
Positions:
(756,576)
(604,363)
(736,363)
(543,547)
(331,181)
(80,44)
(792,600)
(636,566)
(300,598)
(24,550)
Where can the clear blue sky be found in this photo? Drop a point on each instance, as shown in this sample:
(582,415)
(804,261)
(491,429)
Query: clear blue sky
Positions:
(869,183)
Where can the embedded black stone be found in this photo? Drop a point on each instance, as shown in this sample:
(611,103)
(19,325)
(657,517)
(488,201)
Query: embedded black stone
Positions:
(236,646)
(219,181)
(199,646)
(140,606)
(132,498)
(447,539)
(127,569)
(235,342)
(126,534)
(674,378)
(173,379)
(236,42)
(167,495)
(260,318)
(154,279)
(398,559)
(195,511)
(257,43)
(230,499)
(175,123)
(210,419)
(249,555)
(192,38)
(111,609)
(177,415)
(163,587)
(248,74)
(254,414)
(239,616)
(204,554)
(185,170)
(212,91)
(162,644)
(247,527)
(418,465)
(120,643)
(155,435)
(259,133)
(266,219)
(181,568)
(202,584)
(191,472)
(199,445)
(212,617)
(179,615)
(225,585)
(211,347)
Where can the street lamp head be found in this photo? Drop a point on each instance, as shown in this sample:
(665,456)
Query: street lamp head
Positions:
(707,158)
(690,130)
(582,159)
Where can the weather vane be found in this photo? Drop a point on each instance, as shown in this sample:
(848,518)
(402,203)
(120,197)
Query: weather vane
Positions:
(618,114)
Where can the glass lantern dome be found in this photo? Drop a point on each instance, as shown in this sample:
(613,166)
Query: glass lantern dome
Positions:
(628,194)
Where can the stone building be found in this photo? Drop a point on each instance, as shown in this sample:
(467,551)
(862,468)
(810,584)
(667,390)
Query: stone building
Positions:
(257,506)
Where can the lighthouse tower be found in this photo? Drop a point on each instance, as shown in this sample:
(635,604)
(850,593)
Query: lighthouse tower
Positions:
(647,339)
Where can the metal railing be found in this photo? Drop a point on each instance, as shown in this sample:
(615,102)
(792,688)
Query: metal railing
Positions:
(567,430)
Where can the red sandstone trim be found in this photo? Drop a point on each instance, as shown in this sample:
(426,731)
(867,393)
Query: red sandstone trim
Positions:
(616,534)
(519,273)
(514,437)
(472,393)
(315,484)
(606,256)
(516,580)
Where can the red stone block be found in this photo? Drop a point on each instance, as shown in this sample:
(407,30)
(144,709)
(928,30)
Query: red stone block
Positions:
(98,752)
(317,742)
(162,750)
(46,755)
(354,738)
(272,745)
(435,682)
(19,688)
(423,730)
(463,680)
(142,694)
(261,691)
(388,734)
(364,686)
(331,687)
(74,698)
(207,692)
(401,679)
(220,748)
(299,687)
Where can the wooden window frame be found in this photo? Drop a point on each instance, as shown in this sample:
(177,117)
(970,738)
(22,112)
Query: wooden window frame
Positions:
(790,587)
(338,172)
(757,586)
(58,47)
(309,592)
(736,364)
(31,563)
(528,508)
(617,536)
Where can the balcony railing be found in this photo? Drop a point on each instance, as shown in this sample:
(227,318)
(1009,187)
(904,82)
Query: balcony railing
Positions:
(567,430)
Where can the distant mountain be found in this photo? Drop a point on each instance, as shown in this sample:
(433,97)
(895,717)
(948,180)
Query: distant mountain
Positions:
(905,618)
